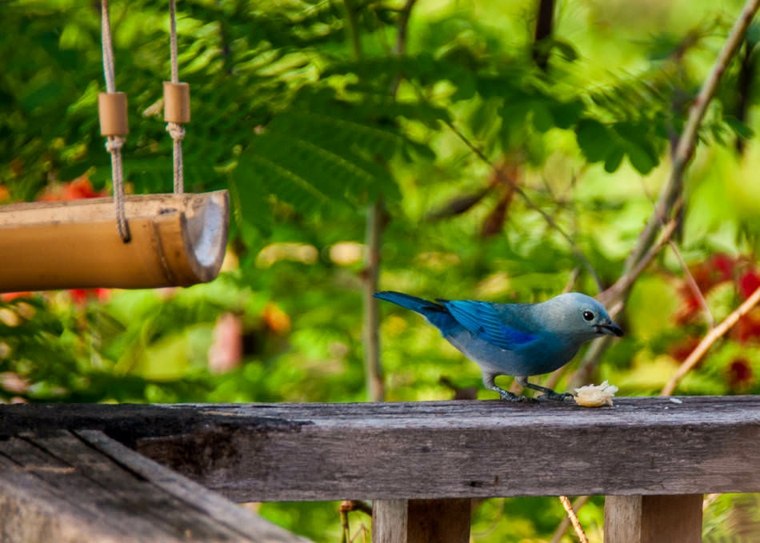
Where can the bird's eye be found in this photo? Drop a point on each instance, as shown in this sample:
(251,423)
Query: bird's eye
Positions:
(588,315)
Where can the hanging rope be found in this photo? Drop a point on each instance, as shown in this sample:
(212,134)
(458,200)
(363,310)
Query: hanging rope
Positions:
(113,121)
(173,40)
(178,97)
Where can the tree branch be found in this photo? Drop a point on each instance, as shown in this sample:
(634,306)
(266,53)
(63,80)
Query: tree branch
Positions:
(544,28)
(375,223)
(686,144)
(665,214)
(614,296)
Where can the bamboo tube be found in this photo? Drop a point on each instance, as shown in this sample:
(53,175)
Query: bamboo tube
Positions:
(112,112)
(177,240)
(176,102)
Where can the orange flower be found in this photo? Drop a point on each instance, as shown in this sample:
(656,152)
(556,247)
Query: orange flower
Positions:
(275,319)
(10,296)
(78,189)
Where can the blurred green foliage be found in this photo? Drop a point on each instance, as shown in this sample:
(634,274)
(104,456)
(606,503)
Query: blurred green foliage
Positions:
(305,134)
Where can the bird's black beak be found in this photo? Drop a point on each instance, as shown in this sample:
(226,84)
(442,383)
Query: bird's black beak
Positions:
(609,329)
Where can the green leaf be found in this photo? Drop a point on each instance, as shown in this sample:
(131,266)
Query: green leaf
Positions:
(565,49)
(566,114)
(542,117)
(637,141)
(594,139)
(614,159)
(641,158)
(741,129)
(250,198)
(323,152)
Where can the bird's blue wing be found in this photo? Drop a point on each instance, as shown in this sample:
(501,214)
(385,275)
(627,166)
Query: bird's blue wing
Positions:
(484,321)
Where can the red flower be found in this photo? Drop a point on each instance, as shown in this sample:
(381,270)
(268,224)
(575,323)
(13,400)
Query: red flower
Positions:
(681,350)
(724,266)
(748,283)
(80,296)
(739,373)
(748,327)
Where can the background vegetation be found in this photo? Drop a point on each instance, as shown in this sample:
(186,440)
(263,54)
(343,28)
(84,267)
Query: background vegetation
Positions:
(496,156)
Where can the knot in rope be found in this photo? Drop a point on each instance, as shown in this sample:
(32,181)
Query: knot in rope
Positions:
(114,144)
(176,131)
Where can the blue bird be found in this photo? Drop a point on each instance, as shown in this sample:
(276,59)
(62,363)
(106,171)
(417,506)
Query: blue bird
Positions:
(515,339)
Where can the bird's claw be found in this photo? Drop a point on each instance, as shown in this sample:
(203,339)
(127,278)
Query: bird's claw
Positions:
(509,397)
(556,396)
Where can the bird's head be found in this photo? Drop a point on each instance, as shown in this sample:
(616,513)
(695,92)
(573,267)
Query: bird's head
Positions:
(581,316)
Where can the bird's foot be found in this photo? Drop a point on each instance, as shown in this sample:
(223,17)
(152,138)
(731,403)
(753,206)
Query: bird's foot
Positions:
(547,393)
(509,397)
(556,396)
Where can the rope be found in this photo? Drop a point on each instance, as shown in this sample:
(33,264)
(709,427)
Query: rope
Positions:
(105,31)
(173,39)
(114,143)
(176,131)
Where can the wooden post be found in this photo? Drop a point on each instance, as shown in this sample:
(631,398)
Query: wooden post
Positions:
(652,519)
(421,521)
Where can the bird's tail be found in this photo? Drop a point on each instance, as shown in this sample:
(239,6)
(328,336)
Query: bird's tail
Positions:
(409,302)
(434,312)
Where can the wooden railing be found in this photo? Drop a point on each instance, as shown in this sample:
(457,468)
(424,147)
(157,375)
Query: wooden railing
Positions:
(420,463)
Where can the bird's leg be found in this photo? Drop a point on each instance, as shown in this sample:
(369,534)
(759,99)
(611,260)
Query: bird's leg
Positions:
(549,394)
(488,381)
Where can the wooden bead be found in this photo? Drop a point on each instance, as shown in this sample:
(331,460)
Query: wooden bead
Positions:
(176,102)
(112,111)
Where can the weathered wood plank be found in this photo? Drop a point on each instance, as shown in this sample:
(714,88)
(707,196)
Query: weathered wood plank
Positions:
(59,487)
(421,521)
(653,519)
(433,450)
(209,503)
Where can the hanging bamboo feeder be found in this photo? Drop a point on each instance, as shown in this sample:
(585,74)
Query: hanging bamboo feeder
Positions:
(176,240)
(142,241)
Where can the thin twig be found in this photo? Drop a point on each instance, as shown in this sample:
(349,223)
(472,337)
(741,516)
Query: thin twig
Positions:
(693,285)
(352,28)
(565,523)
(677,212)
(372,364)
(402,38)
(573,519)
(530,203)
(618,292)
(710,338)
